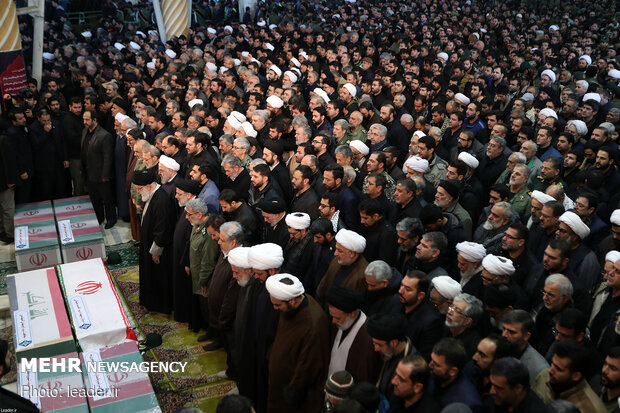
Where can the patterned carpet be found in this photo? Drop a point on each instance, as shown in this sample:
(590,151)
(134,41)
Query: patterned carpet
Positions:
(198,386)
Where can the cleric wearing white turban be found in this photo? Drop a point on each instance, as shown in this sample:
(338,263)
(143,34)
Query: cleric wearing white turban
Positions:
(351,240)
(469,159)
(233,122)
(575,224)
(275,101)
(298,220)
(446,286)
(615,217)
(498,266)
(284,287)
(612,256)
(471,251)
(417,164)
(542,197)
(359,146)
(266,256)
(169,163)
(238,257)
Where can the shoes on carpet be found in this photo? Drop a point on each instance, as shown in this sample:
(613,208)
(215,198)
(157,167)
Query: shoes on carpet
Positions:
(109,225)
(221,374)
(215,345)
(202,338)
(212,333)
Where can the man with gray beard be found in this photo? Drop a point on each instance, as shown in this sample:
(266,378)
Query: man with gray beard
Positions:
(462,319)
(352,347)
(491,232)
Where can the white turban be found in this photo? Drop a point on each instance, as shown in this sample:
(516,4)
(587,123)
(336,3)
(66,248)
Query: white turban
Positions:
(615,217)
(171,53)
(153,33)
(548,112)
(471,251)
(150,65)
(211,30)
(134,46)
(261,23)
(350,88)
(269,46)
(120,117)
(276,69)
(462,98)
(322,94)
(169,163)
(360,146)
(443,55)
(298,220)
(193,102)
(245,54)
(249,129)
(351,240)
(446,286)
(575,223)
(212,66)
(295,61)
(265,256)
(498,265)
(87,34)
(272,26)
(612,256)
(554,27)
(580,125)
(593,96)
(239,257)
(549,73)
(284,287)
(292,76)
(141,34)
(614,74)
(48,56)
(233,122)
(587,58)
(240,116)
(419,133)
(469,159)
(275,101)
(303,54)
(119,46)
(417,164)
(542,197)
(229,28)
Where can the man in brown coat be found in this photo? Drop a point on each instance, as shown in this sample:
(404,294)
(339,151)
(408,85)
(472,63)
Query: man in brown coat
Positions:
(347,268)
(300,352)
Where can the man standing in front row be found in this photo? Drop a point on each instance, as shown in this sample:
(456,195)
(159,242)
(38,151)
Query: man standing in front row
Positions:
(97,166)
(300,352)
(156,230)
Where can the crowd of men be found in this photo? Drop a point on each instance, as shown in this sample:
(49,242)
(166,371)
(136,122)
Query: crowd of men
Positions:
(368,206)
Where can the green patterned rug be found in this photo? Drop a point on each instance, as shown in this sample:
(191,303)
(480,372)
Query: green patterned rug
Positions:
(198,386)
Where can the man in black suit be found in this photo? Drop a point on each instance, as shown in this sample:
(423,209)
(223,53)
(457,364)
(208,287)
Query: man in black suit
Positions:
(97,159)
(8,178)
(49,157)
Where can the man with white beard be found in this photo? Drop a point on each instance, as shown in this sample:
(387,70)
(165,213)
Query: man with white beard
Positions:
(351,345)
(156,230)
(469,261)
(167,170)
(461,321)
(491,232)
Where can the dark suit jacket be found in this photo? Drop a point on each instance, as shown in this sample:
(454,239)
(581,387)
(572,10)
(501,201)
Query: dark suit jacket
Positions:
(48,148)
(8,163)
(97,154)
